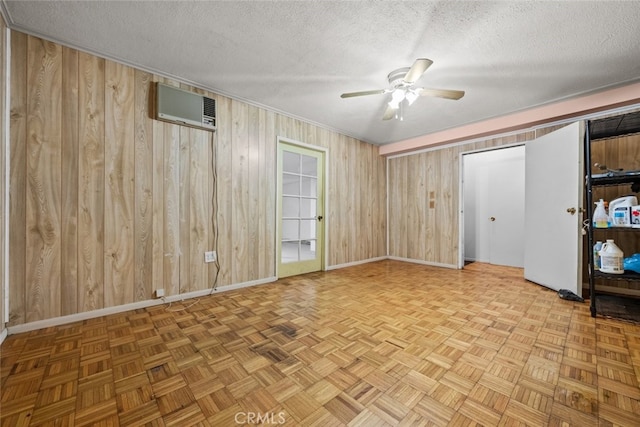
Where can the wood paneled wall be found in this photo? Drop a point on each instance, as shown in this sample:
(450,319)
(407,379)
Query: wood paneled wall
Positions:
(108,205)
(424,196)
(424,201)
(3,172)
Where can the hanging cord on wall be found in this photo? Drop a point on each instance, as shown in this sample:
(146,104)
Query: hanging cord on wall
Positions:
(214,226)
(214,209)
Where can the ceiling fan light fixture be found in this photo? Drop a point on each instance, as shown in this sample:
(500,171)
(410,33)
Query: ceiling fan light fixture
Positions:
(397,96)
(411,96)
(402,88)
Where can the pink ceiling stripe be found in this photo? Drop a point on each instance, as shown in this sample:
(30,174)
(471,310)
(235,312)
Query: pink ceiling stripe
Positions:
(613,98)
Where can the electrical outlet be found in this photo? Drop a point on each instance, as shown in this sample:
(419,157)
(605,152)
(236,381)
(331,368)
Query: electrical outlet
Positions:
(159,293)
(210,256)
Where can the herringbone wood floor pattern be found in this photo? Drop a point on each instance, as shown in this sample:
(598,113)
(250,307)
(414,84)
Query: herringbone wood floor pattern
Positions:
(386,343)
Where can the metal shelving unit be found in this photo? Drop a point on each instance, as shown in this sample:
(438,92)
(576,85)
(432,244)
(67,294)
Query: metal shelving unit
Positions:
(598,129)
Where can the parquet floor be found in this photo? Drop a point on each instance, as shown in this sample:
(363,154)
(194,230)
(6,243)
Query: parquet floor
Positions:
(386,343)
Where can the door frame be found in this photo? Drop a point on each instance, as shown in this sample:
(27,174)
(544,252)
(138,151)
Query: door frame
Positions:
(324,253)
(461,193)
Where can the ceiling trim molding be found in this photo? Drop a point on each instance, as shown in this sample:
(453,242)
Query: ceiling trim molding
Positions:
(558,111)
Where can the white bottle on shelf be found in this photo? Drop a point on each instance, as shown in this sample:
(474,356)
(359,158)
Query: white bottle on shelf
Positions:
(611,258)
(600,217)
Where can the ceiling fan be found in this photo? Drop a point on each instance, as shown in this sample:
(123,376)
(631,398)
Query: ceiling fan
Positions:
(401,87)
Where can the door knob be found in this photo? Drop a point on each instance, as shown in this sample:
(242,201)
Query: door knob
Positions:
(493,218)
(572,211)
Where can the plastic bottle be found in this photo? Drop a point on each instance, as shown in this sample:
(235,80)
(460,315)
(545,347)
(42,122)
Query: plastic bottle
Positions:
(611,258)
(600,217)
(596,255)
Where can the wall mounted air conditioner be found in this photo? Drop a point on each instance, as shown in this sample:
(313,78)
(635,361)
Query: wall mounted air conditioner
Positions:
(179,106)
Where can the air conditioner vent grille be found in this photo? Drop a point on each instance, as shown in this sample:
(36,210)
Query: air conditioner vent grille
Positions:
(209,107)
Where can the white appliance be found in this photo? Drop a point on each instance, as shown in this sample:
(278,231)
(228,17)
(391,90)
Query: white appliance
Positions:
(179,106)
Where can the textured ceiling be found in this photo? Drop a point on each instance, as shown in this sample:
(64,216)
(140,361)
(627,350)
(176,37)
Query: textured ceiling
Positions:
(298,57)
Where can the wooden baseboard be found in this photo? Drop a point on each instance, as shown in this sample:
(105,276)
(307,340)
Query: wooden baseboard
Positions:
(419,261)
(62,320)
(351,264)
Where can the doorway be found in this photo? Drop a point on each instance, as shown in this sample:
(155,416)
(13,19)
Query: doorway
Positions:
(552,240)
(493,206)
(300,209)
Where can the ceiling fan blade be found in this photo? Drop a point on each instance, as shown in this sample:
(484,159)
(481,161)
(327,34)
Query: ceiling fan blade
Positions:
(363,93)
(389,113)
(417,69)
(442,93)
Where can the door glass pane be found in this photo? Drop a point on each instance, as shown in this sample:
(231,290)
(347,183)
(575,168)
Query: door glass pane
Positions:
(309,166)
(290,207)
(308,208)
(291,184)
(290,252)
(307,229)
(290,162)
(290,229)
(308,187)
(307,249)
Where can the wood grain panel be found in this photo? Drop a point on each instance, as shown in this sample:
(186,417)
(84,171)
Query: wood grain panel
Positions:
(44,146)
(353,204)
(91,183)
(198,207)
(342,207)
(240,193)
(119,180)
(158,201)
(69,213)
(431,204)
(184,217)
(212,209)
(447,208)
(17,180)
(254,255)
(4,209)
(420,187)
(171,194)
(397,220)
(266,202)
(143,198)
(224,189)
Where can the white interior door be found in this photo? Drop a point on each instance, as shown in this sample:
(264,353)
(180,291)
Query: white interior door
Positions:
(507,186)
(494,206)
(553,187)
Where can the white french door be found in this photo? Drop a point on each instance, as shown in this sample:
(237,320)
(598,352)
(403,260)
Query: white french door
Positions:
(301,209)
